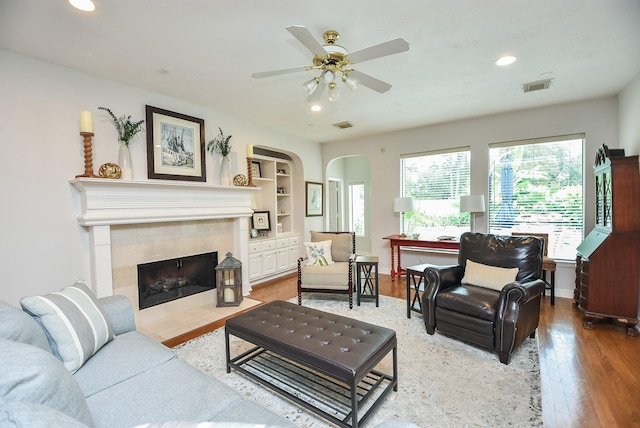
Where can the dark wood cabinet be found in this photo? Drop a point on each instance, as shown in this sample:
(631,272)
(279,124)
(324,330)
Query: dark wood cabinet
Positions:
(608,259)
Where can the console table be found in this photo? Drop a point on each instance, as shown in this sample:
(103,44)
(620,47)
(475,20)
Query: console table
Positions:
(396,241)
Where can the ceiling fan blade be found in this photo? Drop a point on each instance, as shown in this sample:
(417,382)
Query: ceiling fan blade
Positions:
(305,37)
(383,49)
(262,74)
(370,82)
(317,94)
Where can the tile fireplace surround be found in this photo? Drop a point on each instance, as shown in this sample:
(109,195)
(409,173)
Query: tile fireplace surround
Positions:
(132,222)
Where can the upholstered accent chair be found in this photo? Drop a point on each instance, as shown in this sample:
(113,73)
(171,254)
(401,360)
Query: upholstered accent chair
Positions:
(322,276)
(491,298)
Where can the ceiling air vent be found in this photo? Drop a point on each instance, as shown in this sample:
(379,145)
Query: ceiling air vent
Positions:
(536,86)
(343,125)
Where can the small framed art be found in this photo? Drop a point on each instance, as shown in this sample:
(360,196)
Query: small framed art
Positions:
(261,220)
(255,169)
(313,197)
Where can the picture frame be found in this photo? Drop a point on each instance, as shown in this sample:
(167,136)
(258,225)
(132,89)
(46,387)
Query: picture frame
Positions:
(261,220)
(256,172)
(175,146)
(314,199)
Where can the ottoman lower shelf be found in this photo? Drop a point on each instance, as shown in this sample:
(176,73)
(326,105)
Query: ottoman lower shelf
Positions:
(311,389)
(344,389)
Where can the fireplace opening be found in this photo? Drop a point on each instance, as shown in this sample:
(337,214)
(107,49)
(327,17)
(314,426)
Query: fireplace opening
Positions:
(167,280)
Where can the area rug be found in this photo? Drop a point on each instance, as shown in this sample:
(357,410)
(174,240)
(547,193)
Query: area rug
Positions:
(442,382)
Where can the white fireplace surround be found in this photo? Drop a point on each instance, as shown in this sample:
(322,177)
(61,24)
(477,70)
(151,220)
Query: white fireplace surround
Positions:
(106,202)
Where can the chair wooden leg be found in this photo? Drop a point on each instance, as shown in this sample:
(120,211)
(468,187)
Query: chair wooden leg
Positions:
(533,335)
(300,299)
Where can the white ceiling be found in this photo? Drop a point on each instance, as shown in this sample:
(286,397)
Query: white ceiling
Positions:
(590,48)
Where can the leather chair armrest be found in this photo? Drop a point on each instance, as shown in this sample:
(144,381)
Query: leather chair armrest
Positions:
(437,278)
(522,293)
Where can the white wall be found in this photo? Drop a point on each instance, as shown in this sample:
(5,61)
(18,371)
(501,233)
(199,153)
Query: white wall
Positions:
(42,246)
(598,119)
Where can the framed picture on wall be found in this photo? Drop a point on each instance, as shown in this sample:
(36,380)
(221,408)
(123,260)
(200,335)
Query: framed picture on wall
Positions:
(175,146)
(261,220)
(255,169)
(313,198)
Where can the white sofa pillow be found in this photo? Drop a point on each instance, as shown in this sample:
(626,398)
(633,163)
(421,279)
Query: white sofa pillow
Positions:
(486,276)
(318,253)
(73,321)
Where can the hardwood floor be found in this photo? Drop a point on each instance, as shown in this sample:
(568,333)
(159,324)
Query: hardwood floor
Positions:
(590,378)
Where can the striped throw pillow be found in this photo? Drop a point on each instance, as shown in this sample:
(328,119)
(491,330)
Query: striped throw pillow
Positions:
(73,321)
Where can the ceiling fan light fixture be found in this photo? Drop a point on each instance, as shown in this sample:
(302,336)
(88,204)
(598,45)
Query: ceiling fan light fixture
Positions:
(334,95)
(311,85)
(328,76)
(350,82)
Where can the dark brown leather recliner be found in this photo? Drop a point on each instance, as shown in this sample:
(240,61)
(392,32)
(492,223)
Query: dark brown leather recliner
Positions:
(499,320)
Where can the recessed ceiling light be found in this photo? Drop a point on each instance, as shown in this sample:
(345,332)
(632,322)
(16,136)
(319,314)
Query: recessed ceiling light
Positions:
(86,5)
(315,107)
(506,60)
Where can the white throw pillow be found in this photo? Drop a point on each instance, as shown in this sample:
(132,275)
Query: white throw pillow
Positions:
(493,277)
(318,253)
(73,321)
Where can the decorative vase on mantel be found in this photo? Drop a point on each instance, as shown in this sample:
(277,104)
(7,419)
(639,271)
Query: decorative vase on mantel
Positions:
(124,161)
(225,171)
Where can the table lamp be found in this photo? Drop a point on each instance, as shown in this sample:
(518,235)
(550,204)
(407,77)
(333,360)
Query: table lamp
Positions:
(472,204)
(402,205)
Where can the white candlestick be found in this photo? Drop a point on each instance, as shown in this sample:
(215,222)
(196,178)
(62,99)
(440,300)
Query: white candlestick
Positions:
(229,295)
(86,122)
(249,150)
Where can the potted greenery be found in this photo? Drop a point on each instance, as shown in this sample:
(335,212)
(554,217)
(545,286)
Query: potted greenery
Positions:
(220,144)
(127,129)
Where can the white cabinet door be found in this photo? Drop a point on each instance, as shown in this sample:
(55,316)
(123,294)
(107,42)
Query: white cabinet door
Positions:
(283,259)
(269,262)
(255,266)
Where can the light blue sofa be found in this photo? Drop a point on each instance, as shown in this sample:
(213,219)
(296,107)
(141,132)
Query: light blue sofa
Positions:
(132,380)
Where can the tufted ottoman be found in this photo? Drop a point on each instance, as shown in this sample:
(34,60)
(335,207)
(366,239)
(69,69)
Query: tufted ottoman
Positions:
(324,362)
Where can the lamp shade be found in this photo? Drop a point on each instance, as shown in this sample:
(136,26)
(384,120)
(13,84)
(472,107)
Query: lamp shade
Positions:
(472,204)
(402,205)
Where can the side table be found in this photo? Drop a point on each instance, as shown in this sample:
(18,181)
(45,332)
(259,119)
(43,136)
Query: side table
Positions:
(367,279)
(415,287)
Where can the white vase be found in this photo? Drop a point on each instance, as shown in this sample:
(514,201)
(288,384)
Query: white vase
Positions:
(225,171)
(124,162)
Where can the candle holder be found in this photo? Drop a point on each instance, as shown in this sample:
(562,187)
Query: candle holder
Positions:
(250,172)
(88,156)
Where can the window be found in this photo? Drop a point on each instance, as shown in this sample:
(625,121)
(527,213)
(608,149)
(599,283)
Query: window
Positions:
(356,208)
(536,186)
(435,181)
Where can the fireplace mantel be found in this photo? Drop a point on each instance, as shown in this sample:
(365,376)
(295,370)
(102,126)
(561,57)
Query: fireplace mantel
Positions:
(107,202)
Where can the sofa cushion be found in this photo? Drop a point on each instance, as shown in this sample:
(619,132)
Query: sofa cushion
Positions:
(341,245)
(16,325)
(21,414)
(29,374)
(492,277)
(168,392)
(123,358)
(73,321)
(318,253)
(332,277)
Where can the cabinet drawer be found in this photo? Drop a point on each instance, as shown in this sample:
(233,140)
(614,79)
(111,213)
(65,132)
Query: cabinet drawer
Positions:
(282,243)
(255,247)
(268,245)
(294,241)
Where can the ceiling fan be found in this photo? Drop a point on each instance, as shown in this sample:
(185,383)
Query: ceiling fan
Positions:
(334,63)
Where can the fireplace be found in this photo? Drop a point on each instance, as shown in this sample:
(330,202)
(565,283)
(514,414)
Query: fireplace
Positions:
(166,280)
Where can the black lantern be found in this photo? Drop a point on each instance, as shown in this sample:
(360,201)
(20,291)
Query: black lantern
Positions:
(229,281)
